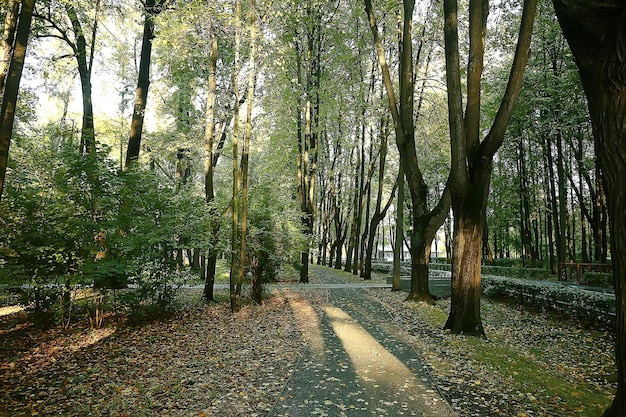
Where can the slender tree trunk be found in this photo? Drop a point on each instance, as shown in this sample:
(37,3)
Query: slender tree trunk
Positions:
(554,209)
(379,211)
(562,206)
(12,85)
(8,39)
(353,227)
(308,145)
(87,136)
(245,158)
(209,192)
(234,285)
(143,83)
(399,246)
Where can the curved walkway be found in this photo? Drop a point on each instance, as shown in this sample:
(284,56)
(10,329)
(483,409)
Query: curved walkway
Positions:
(359,362)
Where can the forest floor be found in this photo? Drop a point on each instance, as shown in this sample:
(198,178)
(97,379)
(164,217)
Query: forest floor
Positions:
(206,361)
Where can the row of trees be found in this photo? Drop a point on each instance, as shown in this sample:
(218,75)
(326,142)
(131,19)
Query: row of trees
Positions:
(268,125)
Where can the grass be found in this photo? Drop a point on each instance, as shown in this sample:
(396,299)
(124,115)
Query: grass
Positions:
(536,379)
(513,365)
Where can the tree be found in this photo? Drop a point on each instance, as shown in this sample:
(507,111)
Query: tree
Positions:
(8,36)
(152,9)
(472,159)
(308,108)
(245,154)
(425,221)
(75,37)
(209,165)
(12,84)
(596,33)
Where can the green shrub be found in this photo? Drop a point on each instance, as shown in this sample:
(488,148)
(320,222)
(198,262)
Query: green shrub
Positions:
(598,279)
(591,307)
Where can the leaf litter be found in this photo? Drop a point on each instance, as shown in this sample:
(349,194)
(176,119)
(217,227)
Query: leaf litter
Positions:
(204,362)
(207,361)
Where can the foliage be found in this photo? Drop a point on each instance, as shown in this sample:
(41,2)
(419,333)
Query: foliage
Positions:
(73,220)
(598,279)
(590,307)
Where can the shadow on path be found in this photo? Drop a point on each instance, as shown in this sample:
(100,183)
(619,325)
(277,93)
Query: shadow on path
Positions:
(358,363)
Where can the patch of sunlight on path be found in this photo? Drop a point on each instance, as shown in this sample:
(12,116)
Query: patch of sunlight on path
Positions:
(378,368)
(358,362)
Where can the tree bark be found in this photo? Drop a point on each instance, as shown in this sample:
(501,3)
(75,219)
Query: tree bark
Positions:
(245,156)
(12,85)
(152,9)
(399,244)
(472,159)
(403,117)
(596,33)
(234,284)
(87,135)
(209,191)
(308,143)
(8,39)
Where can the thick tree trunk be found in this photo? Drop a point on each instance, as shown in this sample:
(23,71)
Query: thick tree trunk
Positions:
(472,159)
(403,118)
(466,287)
(596,33)
(369,250)
(211,263)
(420,257)
(12,85)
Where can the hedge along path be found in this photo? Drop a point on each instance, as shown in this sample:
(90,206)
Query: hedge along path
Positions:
(357,361)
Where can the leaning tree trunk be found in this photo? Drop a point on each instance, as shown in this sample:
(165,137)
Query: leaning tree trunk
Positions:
(11,89)
(596,33)
(143,83)
(8,38)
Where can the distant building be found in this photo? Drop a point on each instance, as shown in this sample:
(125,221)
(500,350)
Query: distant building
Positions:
(437,248)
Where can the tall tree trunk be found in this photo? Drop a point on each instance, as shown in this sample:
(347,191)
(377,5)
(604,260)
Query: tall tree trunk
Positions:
(472,159)
(234,285)
(558,226)
(245,156)
(354,230)
(562,206)
(379,211)
(12,85)
(209,191)
(152,9)
(87,136)
(596,33)
(308,143)
(403,118)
